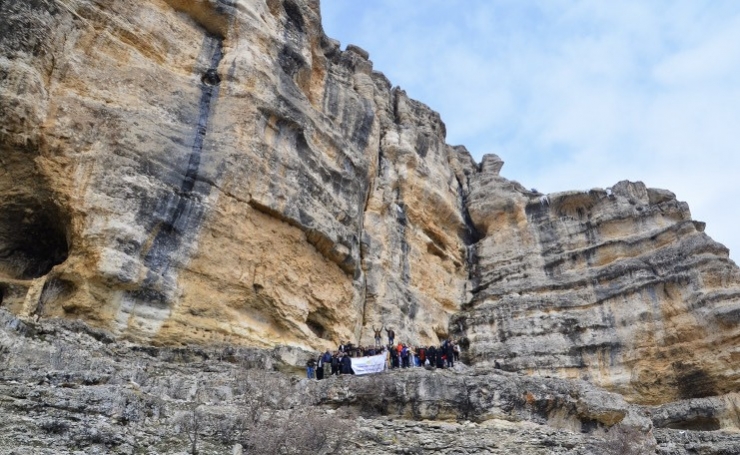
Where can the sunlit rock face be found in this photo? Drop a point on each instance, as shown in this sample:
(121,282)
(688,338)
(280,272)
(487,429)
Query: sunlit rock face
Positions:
(619,287)
(220,171)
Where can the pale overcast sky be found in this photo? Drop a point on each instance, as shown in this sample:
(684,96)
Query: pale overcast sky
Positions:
(574,94)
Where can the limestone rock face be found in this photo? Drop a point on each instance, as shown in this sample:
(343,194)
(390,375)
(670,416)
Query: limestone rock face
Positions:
(212,171)
(619,287)
(220,171)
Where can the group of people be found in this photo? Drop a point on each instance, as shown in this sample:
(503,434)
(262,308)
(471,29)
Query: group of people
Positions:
(397,356)
(339,362)
(443,356)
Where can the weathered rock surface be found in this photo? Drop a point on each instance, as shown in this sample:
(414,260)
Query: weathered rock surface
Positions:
(219,172)
(618,287)
(67,388)
(212,170)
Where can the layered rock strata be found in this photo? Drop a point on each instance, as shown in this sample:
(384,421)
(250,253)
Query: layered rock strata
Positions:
(220,171)
(619,287)
(66,387)
(212,171)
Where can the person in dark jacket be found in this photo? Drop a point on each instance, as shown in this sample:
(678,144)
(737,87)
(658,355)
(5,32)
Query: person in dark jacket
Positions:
(394,358)
(320,367)
(391,336)
(421,353)
(432,356)
(450,353)
(327,357)
(335,364)
(405,357)
(440,357)
(347,365)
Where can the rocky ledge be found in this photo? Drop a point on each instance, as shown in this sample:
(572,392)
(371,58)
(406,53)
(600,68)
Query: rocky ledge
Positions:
(67,388)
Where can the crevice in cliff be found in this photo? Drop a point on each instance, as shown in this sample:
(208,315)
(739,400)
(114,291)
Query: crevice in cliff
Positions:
(381,159)
(470,236)
(361,264)
(209,90)
(374,178)
(402,221)
(295,18)
(396,94)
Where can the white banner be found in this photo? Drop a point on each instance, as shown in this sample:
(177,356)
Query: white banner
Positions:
(368,365)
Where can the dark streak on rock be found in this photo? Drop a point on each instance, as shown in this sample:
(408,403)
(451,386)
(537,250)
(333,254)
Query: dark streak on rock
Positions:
(471,236)
(405,248)
(422,145)
(290,61)
(295,18)
(179,214)
(363,126)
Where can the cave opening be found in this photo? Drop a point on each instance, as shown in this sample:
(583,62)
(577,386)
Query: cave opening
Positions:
(33,238)
(316,322)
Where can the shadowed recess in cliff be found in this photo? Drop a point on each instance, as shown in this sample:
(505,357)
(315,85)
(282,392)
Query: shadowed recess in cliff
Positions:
(54,290)
(33,227)
(696,423)
(33,238)
(693,382)
(470,235)
(212,15)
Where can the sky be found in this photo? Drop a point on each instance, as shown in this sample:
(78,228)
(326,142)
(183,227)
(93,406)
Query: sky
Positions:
(574,94)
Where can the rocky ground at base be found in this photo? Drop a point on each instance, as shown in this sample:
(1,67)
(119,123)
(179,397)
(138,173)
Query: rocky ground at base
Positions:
(68,389)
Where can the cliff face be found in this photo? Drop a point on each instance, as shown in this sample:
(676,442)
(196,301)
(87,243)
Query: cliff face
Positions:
(220,171)
(619,287)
